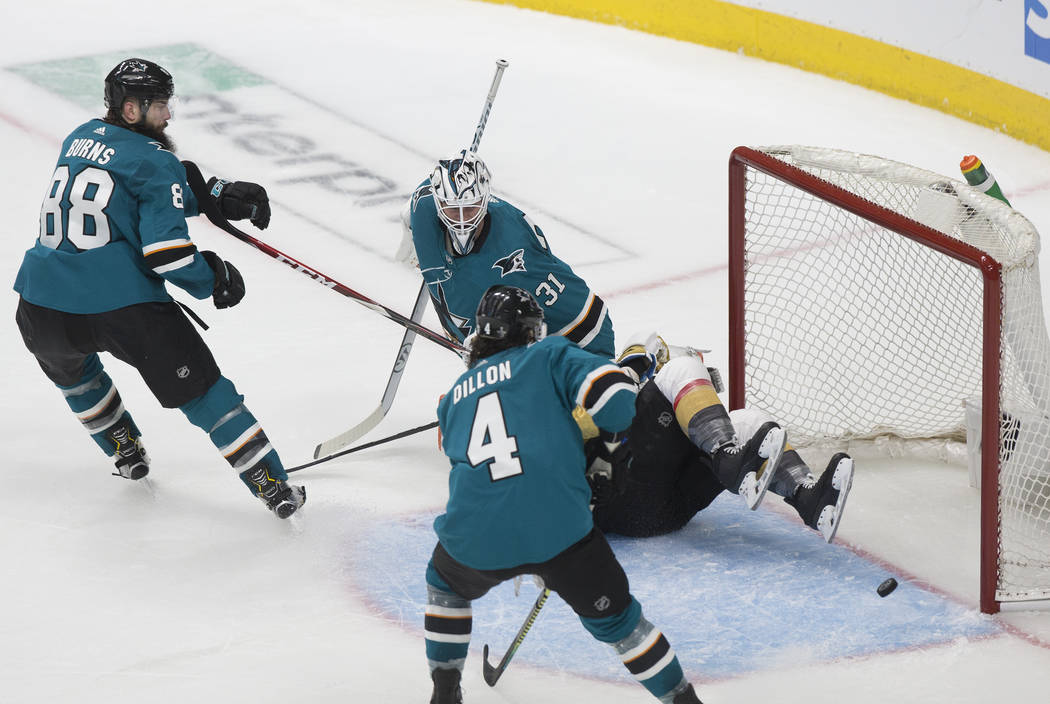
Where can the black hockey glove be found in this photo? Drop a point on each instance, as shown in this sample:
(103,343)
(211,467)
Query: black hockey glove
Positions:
(639,362)
(238,200)
(229,284)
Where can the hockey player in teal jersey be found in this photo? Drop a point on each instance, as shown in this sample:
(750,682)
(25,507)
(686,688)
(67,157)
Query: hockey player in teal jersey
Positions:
(465,240)
(509,430)
(112,233)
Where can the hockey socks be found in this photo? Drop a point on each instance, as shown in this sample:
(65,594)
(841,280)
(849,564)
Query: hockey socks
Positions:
(685,382)
(792,473)
(241,440)
(220,412)
(97,405)
(643,649)
(447,623)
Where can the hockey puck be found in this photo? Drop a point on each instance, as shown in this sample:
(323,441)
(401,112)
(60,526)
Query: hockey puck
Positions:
(887,587)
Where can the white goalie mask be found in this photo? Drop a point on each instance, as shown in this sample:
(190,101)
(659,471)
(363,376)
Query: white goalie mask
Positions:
(461,194)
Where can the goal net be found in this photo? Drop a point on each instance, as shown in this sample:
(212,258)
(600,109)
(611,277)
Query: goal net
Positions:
(873,300)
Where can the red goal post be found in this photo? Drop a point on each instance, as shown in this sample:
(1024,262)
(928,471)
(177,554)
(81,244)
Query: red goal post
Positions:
(872,299)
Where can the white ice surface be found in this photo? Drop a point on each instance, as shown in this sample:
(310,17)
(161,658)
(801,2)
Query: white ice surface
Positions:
(617,143)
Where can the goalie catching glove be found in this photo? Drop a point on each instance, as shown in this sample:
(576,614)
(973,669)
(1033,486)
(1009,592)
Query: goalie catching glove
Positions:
(238,200)
(229,284)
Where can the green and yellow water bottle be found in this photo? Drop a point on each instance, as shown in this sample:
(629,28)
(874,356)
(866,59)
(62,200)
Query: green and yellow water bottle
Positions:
(980,178)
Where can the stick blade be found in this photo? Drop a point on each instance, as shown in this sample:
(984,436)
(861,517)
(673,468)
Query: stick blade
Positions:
(490,673)
(355,433)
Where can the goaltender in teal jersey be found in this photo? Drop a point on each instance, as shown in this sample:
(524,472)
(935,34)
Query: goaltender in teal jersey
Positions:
(465,240)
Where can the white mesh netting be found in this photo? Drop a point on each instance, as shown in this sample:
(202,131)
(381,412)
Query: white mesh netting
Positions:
(854,332)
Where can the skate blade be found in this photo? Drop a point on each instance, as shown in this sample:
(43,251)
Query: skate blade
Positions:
(831,517)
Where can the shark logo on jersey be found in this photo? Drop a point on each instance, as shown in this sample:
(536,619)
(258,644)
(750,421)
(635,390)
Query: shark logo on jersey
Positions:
(515,261)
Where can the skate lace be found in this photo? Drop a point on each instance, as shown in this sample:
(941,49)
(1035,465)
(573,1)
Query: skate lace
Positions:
(729,448)
(125,444)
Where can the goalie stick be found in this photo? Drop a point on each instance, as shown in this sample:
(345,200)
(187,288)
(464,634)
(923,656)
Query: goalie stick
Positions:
(343,439)
(501,66)
(492,674)
(358,431)
(210,210)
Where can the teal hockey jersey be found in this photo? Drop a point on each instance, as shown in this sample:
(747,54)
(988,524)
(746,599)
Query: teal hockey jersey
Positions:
(517,490)
(509,250)
(113,226)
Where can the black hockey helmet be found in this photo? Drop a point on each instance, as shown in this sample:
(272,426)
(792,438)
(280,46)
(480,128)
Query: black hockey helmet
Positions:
(138,78)
(509,313)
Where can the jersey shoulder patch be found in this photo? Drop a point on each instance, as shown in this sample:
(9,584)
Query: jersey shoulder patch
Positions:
(515,261)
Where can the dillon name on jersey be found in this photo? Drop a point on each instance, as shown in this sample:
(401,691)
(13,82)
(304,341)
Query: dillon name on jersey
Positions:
(113,226)
(517,490)
(511,250)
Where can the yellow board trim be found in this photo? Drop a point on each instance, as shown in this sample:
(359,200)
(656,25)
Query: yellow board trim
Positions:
(848,57)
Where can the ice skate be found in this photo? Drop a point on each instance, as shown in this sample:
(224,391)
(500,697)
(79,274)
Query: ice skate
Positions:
(280,497)
(748,470)
(446,686)
(131,459)
(820,506)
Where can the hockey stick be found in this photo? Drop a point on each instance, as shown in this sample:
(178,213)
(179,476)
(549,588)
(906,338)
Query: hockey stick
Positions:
(395,436)
(501,66)
(210,210)
(492,674)
(358,431)
(343,439)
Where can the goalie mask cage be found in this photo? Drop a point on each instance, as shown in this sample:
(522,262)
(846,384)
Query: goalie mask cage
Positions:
(870,299)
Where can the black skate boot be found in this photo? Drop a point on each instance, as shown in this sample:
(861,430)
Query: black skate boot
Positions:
(820,506)
(130,458)
(687,697)
(446,686)
(280,497)
(748,470)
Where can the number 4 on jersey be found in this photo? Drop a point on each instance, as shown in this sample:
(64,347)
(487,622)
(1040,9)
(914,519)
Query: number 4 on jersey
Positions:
(489,441)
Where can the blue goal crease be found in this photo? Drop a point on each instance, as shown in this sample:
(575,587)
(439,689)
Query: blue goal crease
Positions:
(735,592)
